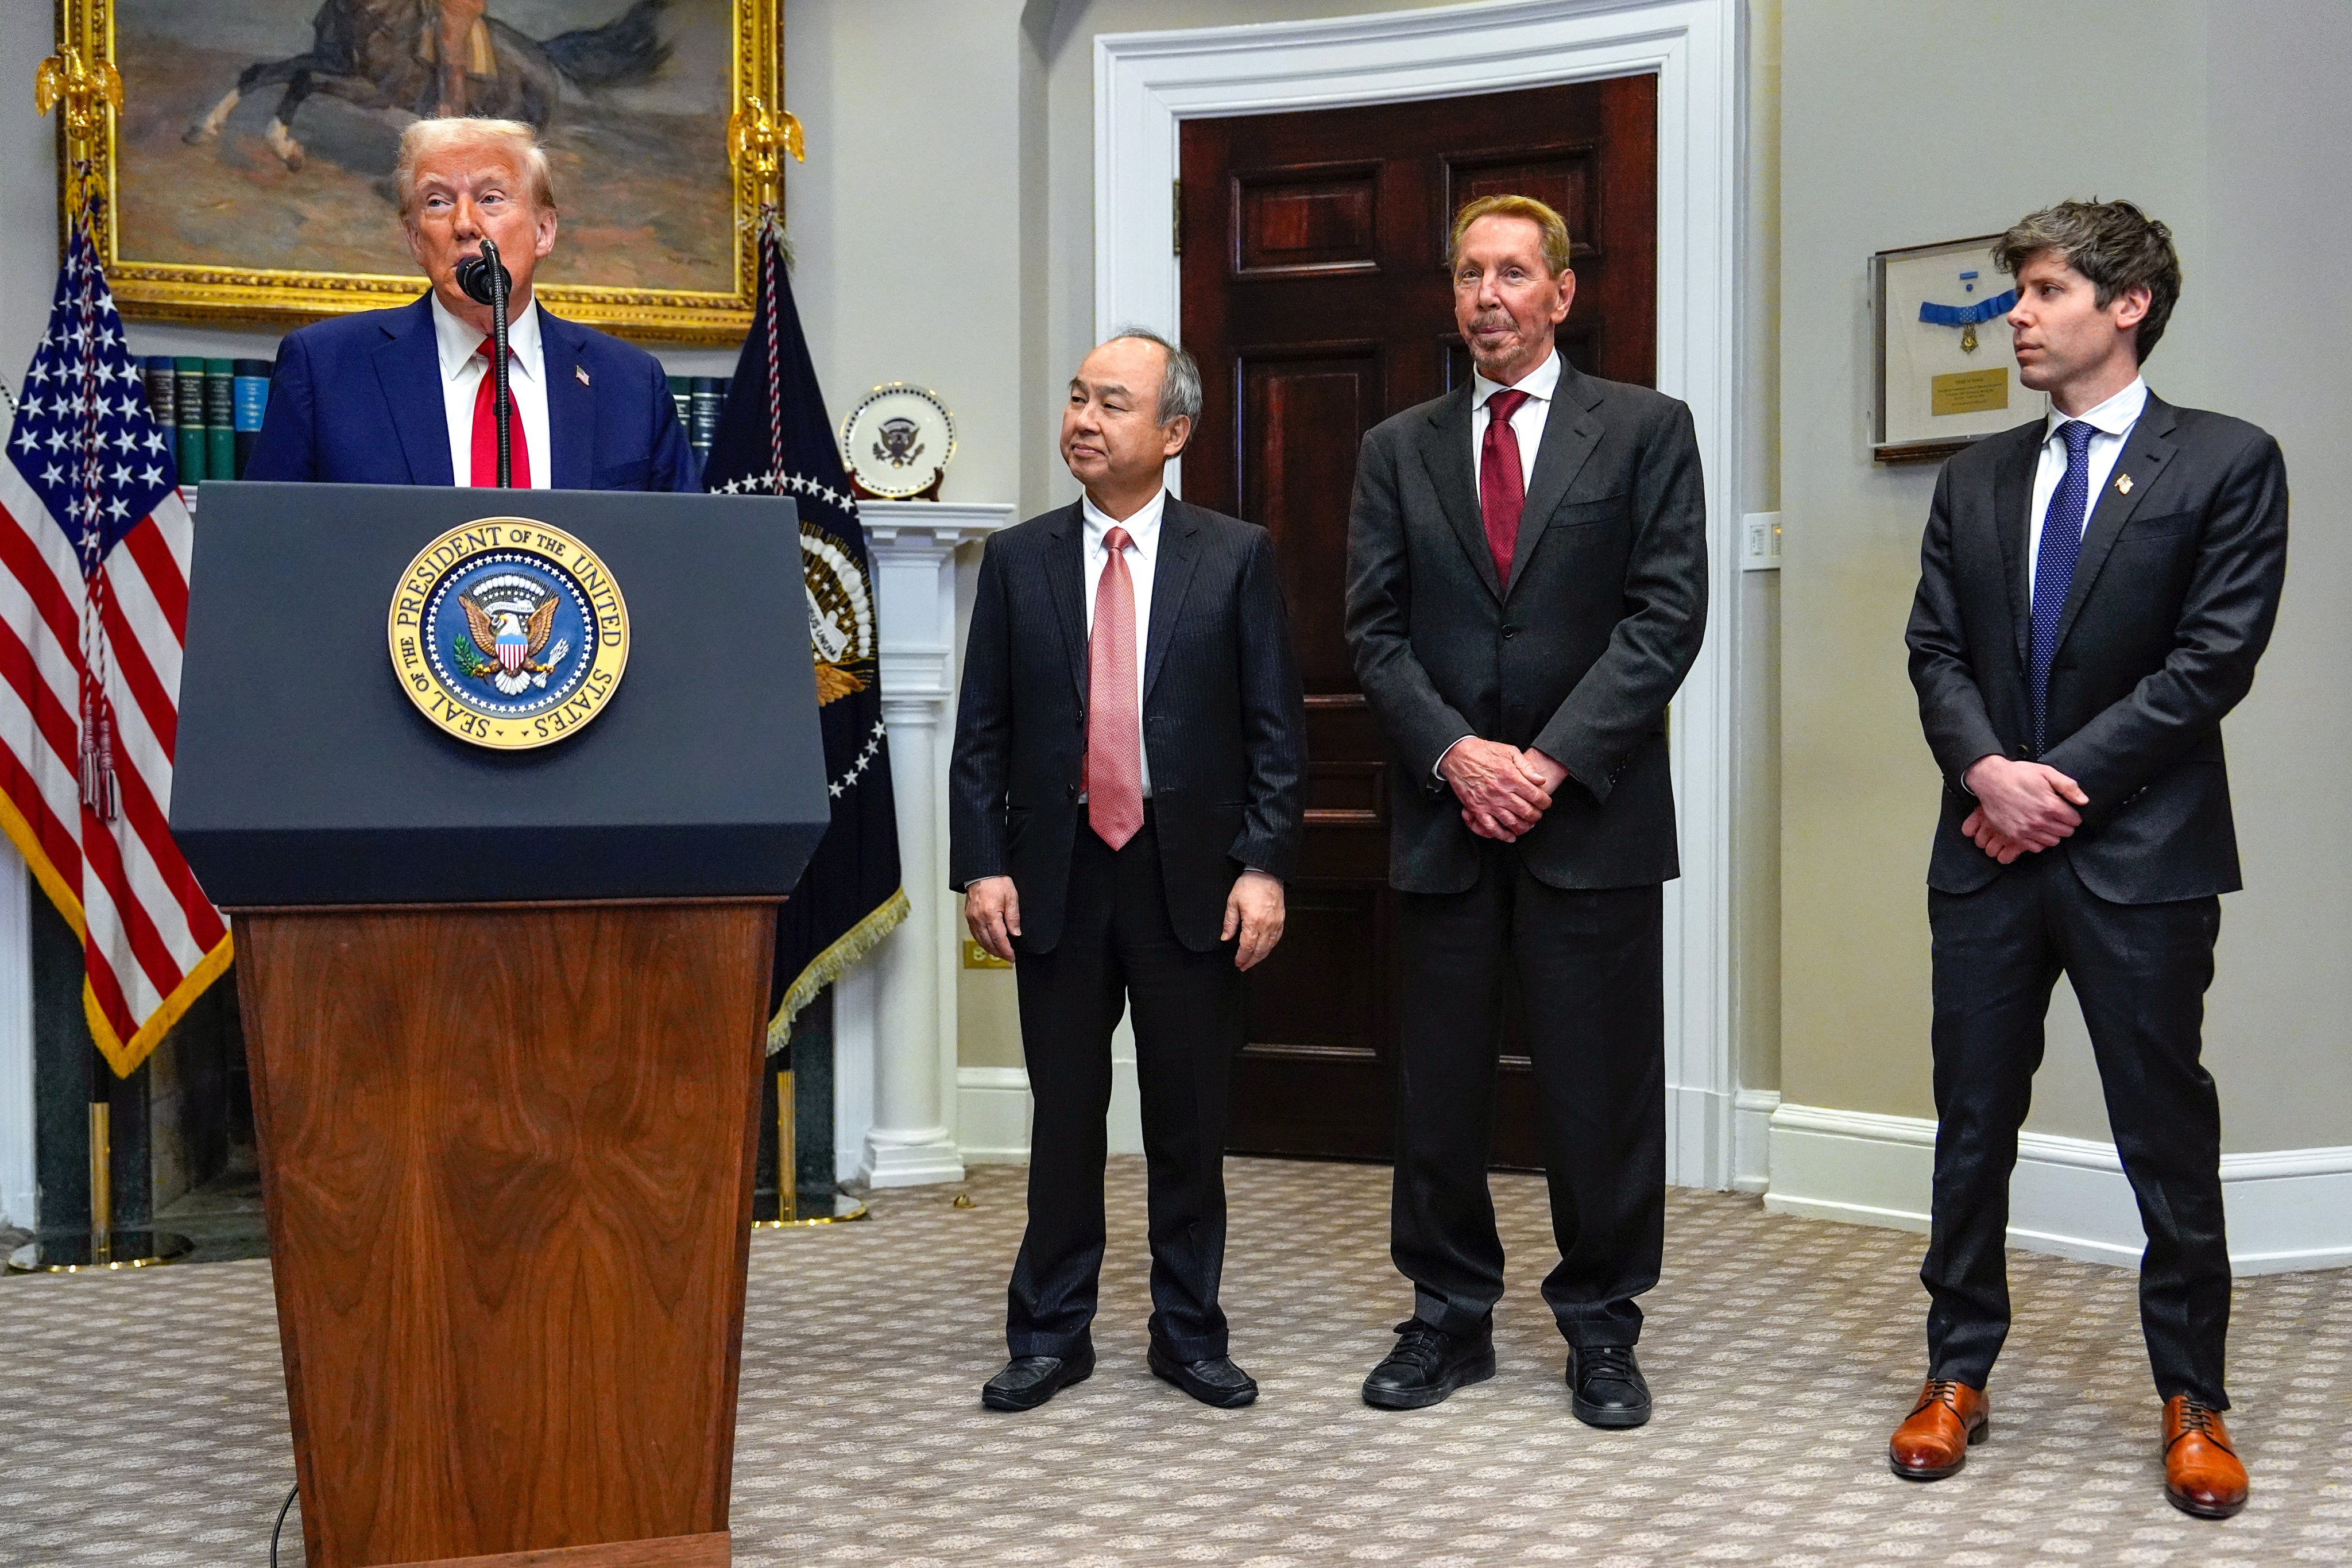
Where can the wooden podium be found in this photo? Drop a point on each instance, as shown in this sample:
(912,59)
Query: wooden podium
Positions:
(504,1013)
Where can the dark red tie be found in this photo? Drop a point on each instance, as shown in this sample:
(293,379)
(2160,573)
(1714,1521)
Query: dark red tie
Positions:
(486,430)
(1502,485)
(1114,729)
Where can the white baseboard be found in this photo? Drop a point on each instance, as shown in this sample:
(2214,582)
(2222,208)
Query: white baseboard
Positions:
(1751,1138)
(2287,1209)
(993,1115)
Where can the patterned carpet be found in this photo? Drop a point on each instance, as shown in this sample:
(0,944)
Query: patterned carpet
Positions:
(142,1420)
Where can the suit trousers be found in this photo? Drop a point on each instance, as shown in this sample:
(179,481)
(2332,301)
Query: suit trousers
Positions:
(2140,971)
(1117,949)
(1589,968)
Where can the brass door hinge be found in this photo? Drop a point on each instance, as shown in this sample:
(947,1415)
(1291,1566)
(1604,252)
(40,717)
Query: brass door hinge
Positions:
(1176,216)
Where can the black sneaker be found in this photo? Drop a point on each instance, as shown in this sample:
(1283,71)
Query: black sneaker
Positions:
(1605,1387)
(1428,1363)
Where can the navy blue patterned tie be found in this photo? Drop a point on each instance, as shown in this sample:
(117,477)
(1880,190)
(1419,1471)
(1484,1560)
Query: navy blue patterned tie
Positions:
(2053,566)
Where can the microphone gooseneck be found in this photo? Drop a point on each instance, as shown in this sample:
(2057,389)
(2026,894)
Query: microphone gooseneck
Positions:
(495,283)
(484,278)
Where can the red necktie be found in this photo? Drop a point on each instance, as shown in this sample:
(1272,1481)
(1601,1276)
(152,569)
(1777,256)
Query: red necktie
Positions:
(1114,727)
(1502,484)
(486,430)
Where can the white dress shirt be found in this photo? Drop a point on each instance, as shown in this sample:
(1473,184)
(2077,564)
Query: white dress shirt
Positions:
(2112,423)
(1527,423)
(1142,549)
(462,370)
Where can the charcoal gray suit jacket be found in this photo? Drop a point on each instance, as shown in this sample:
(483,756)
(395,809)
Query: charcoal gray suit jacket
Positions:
(1224,722)
(1576,656)
(2173,598)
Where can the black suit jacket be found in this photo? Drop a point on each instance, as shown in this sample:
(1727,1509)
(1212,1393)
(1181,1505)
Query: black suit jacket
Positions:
(1576,656)
(2172,603)
(1224,723)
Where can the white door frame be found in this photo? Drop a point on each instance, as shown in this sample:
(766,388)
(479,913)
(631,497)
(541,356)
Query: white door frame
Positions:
(1145,83)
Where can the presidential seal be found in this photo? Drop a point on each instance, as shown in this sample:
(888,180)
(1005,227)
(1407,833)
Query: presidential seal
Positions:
(509,633)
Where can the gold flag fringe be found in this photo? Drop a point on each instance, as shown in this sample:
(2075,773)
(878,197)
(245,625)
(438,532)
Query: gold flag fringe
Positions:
(833,962)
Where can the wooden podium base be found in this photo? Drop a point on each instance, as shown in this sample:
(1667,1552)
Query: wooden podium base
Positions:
(507,1156)
(675,1551)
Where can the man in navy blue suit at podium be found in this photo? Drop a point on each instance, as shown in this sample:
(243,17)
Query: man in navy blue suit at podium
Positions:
(403,396)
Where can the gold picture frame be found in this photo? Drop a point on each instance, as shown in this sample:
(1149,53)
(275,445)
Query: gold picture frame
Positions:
(224,293)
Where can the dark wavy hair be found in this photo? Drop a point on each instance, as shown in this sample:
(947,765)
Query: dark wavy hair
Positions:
(2113,244)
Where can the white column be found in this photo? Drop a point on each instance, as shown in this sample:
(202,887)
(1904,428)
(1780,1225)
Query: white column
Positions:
(17,1170)
(903,1024)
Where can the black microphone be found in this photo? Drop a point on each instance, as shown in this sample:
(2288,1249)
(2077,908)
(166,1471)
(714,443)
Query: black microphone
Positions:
(483,277)
(486,280)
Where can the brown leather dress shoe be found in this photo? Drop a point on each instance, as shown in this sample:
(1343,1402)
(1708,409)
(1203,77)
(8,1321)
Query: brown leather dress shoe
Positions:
(1935,1439)
(2201,1472)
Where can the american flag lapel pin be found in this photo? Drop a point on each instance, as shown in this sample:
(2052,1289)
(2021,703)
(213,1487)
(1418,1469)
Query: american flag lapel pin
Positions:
(581,371)
(2123,481)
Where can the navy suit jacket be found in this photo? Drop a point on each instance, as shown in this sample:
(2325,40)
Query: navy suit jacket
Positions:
(357,401)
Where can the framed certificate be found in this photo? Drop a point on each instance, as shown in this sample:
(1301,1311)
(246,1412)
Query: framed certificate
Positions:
(1946,374)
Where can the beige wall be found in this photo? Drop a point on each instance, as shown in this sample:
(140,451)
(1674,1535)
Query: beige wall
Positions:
(1898,128)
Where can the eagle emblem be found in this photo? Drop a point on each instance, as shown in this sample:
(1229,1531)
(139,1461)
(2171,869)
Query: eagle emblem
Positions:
(509,620)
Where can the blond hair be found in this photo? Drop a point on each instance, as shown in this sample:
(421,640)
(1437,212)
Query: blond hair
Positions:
(425,138)
(1554,226)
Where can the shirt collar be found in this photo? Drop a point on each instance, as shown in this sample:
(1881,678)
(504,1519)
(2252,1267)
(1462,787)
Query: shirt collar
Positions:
(2114,417)
(456,342)
(1538,383)
(1143,528)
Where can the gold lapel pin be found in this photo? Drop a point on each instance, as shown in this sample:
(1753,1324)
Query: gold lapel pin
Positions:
(581,371)
(2123,481)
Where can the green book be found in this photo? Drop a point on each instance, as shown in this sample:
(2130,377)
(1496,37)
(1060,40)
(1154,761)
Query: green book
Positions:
(189,372)
(681,391)
(220,419)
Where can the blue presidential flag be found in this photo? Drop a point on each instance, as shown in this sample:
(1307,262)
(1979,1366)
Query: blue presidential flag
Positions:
(775,439)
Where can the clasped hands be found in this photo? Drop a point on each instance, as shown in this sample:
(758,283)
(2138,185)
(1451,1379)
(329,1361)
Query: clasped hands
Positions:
(2022,808)
(1504,791)
(1254,911)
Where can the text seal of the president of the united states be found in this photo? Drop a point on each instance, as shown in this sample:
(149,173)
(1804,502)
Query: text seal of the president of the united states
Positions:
(507,632)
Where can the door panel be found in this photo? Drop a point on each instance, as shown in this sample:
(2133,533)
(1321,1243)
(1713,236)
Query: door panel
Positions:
(1315,297)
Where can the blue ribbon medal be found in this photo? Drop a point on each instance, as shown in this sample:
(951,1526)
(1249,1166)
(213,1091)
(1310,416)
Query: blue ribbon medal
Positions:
(1966,317)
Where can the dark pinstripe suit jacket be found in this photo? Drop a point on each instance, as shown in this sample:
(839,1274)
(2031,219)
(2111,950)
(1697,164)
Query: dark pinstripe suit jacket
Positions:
(1224,724)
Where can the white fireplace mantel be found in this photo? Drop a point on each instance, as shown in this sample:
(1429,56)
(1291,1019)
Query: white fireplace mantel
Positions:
(894,1015)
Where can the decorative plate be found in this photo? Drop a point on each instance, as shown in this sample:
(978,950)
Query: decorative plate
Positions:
(898,440)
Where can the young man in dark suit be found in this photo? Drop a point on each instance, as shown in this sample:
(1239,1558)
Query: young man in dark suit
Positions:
(1125,802)
(2095,590)
(403,396)
(1527,588)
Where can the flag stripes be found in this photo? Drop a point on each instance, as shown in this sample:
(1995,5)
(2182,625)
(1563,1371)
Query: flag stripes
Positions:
(94,548)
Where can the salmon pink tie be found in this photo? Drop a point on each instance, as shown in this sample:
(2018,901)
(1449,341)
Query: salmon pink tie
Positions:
(1114,727)
(486,431)
(1502,483)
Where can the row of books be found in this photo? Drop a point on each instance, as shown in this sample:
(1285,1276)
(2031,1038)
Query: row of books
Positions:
(213,408)
(699,398)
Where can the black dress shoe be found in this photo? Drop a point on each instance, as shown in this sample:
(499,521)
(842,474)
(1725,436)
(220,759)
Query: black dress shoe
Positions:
(1605,1387)
(1215,1381)
(1427,1365)
(1028,1381)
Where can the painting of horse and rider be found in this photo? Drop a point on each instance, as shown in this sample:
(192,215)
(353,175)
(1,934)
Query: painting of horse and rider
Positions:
(258,135)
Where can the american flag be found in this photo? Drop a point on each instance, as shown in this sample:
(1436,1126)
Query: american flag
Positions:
(94,543)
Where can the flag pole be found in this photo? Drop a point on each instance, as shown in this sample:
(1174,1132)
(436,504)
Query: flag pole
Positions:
(758,138)
(88,90)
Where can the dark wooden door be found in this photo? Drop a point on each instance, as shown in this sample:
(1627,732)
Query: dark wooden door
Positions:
(1317,299)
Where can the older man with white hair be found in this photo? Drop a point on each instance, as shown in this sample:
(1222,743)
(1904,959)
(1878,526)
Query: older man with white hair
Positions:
(403,396)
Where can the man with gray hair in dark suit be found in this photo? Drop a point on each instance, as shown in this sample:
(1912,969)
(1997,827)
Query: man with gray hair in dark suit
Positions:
(1125,801)
(1527,587)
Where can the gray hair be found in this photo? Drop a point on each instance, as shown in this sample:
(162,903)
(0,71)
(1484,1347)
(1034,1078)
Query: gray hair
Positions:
(1180,379)
(520,141)
(2113,244)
